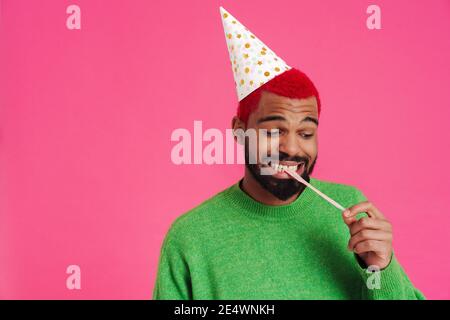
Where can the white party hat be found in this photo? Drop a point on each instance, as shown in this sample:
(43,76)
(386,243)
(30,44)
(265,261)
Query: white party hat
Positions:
(252,61)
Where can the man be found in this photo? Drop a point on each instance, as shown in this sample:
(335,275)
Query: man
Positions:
(268,236)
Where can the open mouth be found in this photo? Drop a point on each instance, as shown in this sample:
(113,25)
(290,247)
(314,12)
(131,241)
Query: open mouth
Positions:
(278,168)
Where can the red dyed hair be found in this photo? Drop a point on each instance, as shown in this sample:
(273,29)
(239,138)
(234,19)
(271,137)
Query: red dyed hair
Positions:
(292,84)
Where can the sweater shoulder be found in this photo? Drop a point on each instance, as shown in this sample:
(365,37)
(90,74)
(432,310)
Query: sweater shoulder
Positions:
(202,217)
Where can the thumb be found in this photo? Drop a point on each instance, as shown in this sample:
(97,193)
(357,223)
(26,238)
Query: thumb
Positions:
(348,217)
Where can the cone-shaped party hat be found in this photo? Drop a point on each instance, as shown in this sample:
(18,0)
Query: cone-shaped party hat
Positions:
(252,61)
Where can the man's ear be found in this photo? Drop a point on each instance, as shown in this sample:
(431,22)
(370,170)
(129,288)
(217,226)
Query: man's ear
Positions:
(238,130)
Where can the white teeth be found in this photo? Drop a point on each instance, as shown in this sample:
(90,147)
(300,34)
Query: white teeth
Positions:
(281,168)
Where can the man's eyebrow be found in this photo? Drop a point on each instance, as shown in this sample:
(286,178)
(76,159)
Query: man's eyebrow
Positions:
(281,118)
(271,118)
(311,119)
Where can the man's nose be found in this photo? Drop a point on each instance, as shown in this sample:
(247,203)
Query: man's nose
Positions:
(290,144)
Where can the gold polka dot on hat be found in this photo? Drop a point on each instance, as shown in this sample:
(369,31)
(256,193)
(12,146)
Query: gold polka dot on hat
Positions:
(253,63)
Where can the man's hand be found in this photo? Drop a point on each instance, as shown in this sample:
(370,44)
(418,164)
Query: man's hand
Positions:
(371,237)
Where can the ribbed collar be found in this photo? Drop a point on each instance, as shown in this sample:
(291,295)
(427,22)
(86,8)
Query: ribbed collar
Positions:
(247,205)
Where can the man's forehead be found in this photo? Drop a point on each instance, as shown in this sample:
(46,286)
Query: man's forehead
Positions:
(271,102)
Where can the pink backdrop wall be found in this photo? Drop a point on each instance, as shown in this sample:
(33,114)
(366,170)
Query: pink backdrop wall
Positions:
(86,117)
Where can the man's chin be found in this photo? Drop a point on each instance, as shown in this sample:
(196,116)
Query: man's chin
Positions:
(284,189)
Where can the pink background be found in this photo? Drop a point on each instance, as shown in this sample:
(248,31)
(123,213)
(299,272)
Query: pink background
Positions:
(86,117)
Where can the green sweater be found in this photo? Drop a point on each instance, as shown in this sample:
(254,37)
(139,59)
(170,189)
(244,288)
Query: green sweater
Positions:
(233,247)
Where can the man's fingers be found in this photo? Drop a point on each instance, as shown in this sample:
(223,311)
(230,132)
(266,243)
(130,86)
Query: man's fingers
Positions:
(348,217)
(368,234)
(376,246)
(365,206)
(349,214)
(368,223)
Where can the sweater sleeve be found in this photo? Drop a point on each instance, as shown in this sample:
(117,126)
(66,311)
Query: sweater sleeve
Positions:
(390,283)
(173,280)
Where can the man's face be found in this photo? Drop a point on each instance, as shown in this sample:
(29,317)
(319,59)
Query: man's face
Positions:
(297,124)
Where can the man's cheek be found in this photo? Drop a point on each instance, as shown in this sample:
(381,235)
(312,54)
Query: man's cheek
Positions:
(310,148)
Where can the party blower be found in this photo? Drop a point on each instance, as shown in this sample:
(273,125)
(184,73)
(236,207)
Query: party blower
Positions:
(299,178)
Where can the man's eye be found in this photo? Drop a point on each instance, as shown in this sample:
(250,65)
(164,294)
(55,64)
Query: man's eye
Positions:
(307,135)
(273,133)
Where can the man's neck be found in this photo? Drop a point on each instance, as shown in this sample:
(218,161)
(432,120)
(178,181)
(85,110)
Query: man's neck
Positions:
(257,192)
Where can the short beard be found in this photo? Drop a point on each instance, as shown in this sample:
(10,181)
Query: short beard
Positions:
(283,189)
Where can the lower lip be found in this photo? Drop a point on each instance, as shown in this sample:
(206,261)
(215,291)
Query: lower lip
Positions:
(284,175)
